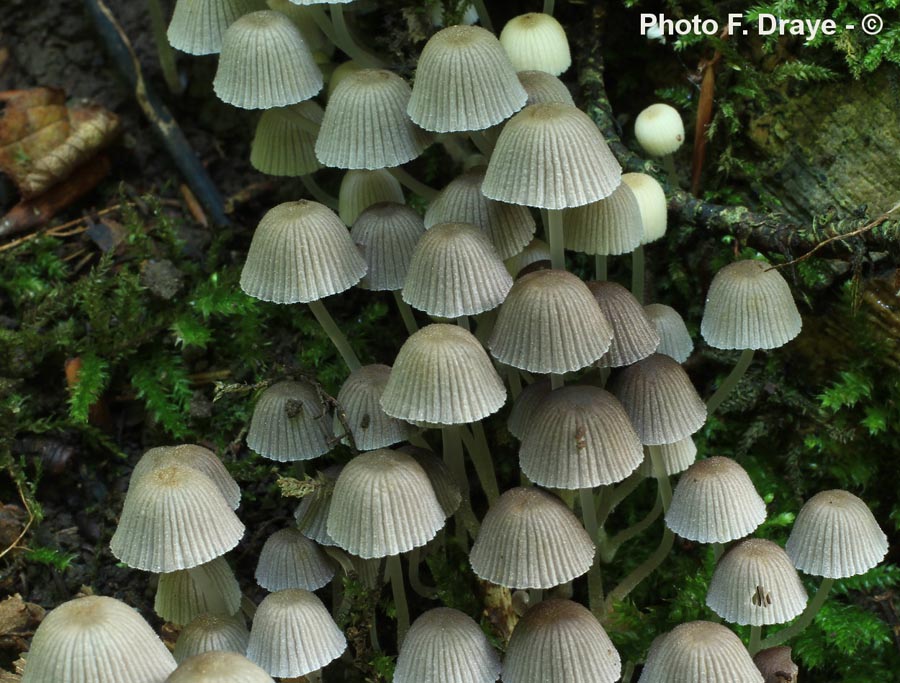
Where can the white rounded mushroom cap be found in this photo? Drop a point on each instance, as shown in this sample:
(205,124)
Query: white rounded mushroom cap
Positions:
(835,536)
(209,632)
(659,129)
(651,199)
(537,42)
(218,667)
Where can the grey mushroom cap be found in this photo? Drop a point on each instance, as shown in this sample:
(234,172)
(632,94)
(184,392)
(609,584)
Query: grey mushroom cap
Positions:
(675,340)
(699,652)
(289,559)
(835,535)
(446,645)
(210,588)
(209,633)
(525,405)
(360,401)
(560,640)
(290,423)
(360,189)
(386,234)
(634,335)
(660,400)
(200,458)
(218,667)
(749,306)
(609,226)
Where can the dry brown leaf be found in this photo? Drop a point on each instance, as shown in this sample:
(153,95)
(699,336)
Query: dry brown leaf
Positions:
(18,621)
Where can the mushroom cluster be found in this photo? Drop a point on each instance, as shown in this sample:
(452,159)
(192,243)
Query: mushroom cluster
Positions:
(600,398)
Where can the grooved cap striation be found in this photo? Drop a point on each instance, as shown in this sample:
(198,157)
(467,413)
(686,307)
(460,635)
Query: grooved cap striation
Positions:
(219,667)
(674,339)
(198,26)
(386,234)
(211,588)
(209,633)
(282,144)
(201,459)
(290,423)
(289,559)
(609,226)
(634,336)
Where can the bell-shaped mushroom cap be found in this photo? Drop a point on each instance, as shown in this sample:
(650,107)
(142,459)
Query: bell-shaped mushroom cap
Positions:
(775,663)
(360,399)
(543,87)
(455,271)
(659,129)
(383,504)
(265,63)
(608,226)
(293,634)
(211,588)
(340,72)
(699,652)
(288,559)
(464,81)
(200,458)
(301,252)
(197,26)
(443,376)
(755,583)
(538,42)
(749,306)
(312,513)
(560,640)
(659,398)
(446,645)
(510,227)
(579,437)
(290,423)
(361,189)
(634,335)
(530,539)
(651,199)
(445,487)
(174,517)
(536,254)
(218,667)
(96,639)
(386,234)
(524,407)
(212,632)
(674,339)
(676,457)
(551,156)
(550,322)
(835,536)
(366,125)
(715,502)
(283,144)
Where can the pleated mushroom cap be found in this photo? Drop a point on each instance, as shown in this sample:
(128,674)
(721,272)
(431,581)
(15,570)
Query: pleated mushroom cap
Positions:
(579,437)
(446,645)
(383,504)
(197,26)
(96,639)
(530,539)
(211,588)
(524,407)
(608,226)
(265,63)
(538,42)
(510,227)
(386,234)
(200,458)
(454,271)
(445,487)
(543,87)
(715,502)
(290,423)
(659,129)
(464,81)
(550,322)
(300,252)
(836,536)
(534,256)
(312,513)
(212,633)
(360,399)
(674,339)
(699,652)
(218,667)
(293,634)
(283,145)
(361,189)
(749,306)
(651,199)
(658,396)
(755,583)
(443,376)
(560,640)
(288,559)
(366,125)
(551,156)
(174,517)
(634,335)
(676,457)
